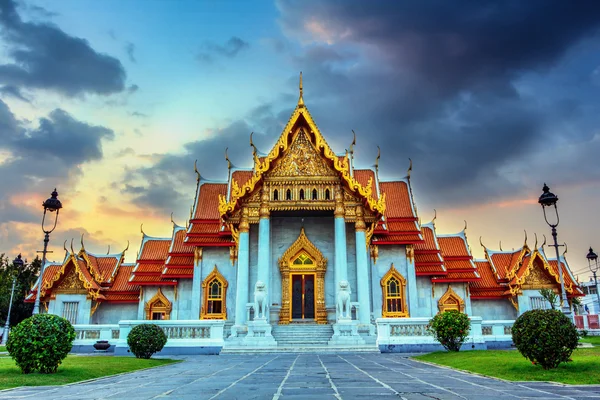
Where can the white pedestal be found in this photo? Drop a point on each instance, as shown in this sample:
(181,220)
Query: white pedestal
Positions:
(259,334)
(345,332)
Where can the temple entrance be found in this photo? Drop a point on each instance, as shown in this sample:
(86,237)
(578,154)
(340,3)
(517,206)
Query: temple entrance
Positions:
(303,296)
(302,283)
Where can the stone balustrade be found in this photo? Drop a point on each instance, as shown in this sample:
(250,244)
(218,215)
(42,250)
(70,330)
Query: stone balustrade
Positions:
(183,336)
(87,335)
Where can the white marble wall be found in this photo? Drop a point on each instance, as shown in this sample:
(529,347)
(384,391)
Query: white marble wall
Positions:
(495,310)
(395,254)
(108,313)
(83,309)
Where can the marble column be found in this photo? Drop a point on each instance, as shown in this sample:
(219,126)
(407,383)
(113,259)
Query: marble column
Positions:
(362,268)
(197,284)
(411,282)
(243,269)
(341,261)
(264,246)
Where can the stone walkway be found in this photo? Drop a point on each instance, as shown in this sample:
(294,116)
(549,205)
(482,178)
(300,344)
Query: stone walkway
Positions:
(302,376)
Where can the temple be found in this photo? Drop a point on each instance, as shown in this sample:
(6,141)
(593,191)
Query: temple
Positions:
(301,249)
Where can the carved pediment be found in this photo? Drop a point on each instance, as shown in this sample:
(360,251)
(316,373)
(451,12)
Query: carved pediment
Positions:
(538,277)
(301,160)
(71,283)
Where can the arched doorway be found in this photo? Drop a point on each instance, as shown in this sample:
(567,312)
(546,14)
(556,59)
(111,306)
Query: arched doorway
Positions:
(302,269)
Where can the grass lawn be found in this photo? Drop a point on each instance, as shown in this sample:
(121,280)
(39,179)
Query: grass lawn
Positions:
(2,348)
(595,340)
(512,366)
(73,369)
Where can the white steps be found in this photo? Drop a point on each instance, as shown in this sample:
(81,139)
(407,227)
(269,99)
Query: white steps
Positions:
(302,335)
(308,349)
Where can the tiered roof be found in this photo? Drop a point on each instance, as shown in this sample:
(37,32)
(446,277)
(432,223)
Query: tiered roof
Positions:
(104,277)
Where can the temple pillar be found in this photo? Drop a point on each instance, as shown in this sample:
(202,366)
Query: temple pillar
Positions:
(341,261)
(197,284)
(362,268)
(264,247)
(411,282)
(243,269)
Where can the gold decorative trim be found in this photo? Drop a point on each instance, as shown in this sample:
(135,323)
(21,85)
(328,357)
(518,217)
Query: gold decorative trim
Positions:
(302,245)
(197,254)
(451,301)
(158,303)
(94,308)
(261,166)
(393,274)
(215,274)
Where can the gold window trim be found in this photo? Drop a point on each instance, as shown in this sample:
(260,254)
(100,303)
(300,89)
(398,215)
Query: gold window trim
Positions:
(158,304)
(450,301)
(302,247)
(215,274)
(393,273)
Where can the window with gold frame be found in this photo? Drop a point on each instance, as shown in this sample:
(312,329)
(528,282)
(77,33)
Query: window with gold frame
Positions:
(158,307)
(393,287)
(451,301)
(214,293)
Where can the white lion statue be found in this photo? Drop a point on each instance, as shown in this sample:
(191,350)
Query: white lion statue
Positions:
(260,300)
(343,300)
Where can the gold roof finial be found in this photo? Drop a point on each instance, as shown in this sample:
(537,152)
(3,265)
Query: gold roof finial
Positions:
(481,243)
(301,99)
(543,244)
(535,246)
(500,244)
(465,228)
(142,229)
(82,245)
(108,251)
(126,248)
(65,246)
(377,159)
(525,243)
(227,159)
(72,251)
(409,169)
(351,149)
(173,222)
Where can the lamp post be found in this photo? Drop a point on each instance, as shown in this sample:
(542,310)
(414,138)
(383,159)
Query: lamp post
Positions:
(52,204)
(17,262)
(593,257)
(549,199)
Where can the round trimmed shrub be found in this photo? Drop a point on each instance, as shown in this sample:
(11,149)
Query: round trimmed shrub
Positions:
(146,339)
(450,328)
(40,343)
(545,337)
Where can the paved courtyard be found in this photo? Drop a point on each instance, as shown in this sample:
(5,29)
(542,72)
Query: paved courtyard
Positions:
(303,376)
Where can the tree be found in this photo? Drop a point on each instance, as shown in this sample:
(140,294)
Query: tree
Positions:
(26,277)
(549,295)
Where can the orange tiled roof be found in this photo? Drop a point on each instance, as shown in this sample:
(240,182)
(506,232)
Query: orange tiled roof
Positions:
(178,272)
(150,279)
(241,177)
(205,228)
(177,244)
(363,176)
(413,238)
(103,265)
(488,277)
(398,201)
(461,265)
(428,243)
(430,270)
(86,273)
(504,262)
(180,261)
(49,273)
(155,249)
(208,200)
(149,268)
(459,276)
(121,282)
(427,258)
(402,226)
(487,293)
(209,240)
(566,276)
(453,246)
(123,297)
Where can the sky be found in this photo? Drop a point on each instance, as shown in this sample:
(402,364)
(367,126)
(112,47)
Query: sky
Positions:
(111,102)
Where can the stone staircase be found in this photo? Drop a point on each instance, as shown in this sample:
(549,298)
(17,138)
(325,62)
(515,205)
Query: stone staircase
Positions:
(302,335)
(300,338)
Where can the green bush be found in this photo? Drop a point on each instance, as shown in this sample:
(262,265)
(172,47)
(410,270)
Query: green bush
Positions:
(145,340)
(40,343)
(450,328)
(545,337)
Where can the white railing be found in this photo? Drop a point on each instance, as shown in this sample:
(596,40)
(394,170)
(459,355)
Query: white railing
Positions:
(90,334)
(413,331)
(180,333)
(497,330)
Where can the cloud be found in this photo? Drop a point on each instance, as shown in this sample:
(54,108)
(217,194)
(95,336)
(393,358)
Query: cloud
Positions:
(40,157)
(9,90)
(467,90)
(130,49)
(45,57)
(229,49)
(138,114)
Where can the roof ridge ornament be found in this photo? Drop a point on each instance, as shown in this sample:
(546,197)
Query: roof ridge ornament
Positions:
(301,98)
(434,217)
(108,251)
(536,241)
(543,244)
(481,243)
(142,229)
(82,245)
(500,244)
(126,248)
(72,251)
(198,176)
(409,169)
(65,246)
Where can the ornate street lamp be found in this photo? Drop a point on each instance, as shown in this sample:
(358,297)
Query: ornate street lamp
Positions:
(593,264)
(17,262)
(549,199)
(52,205)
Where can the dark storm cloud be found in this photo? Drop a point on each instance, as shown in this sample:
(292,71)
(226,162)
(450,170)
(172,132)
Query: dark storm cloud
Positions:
(229,49)
(9,90)
(130,49)
(40,158)
(439,82)
(44,56)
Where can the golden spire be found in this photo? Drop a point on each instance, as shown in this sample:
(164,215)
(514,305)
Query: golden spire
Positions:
(301,99)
